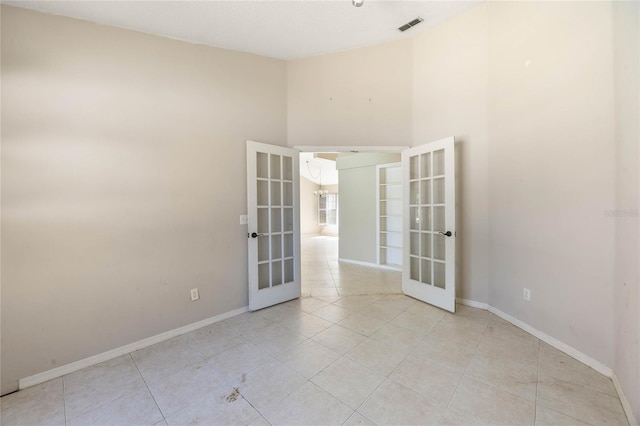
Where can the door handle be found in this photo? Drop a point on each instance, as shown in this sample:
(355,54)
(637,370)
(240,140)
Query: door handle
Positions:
(446,234)
(255,235)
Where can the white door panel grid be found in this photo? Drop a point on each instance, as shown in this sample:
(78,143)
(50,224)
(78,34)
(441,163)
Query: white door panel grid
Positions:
(429,235)
(273,209)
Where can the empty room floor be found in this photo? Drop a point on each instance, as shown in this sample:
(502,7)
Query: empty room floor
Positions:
(342,358)
(324,276)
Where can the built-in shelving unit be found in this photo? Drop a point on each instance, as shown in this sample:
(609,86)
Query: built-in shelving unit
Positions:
(389,213)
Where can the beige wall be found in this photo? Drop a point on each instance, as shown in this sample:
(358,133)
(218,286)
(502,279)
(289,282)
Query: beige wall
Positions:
(358,97)
(308,208)
(528,89)
(358,214)
(626,34)
(551,169)
(358,221)
(122,181)
(450,99)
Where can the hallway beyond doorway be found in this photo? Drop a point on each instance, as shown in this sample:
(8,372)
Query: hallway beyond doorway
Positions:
(324,277)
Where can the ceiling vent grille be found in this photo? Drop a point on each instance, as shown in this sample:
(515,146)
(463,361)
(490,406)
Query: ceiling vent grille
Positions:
(410,24)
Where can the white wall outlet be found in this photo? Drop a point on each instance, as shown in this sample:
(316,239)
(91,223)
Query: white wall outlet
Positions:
(527,294)
(244,219)
(195,295)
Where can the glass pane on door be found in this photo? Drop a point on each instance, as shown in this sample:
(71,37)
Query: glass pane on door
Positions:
(263,193)
(262,165)
(275,193)
(439,274)
(263,220)
(263,248)
(263,275)
(414,243)
(287,194)
(438,191)
(287,168)
(275,219)
(275,167)
(425,165)
(288,245)
(288,270)
(427,215)
(425,273)
(415,268)
(438,162)
(276,247)
(276,273)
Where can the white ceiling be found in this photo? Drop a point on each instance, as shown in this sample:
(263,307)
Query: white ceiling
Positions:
(274,28)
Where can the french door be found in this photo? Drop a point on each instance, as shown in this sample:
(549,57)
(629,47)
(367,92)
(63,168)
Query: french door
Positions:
(429,235)
(273,210)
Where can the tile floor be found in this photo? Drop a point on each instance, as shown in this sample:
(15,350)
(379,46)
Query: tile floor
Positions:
(344,356)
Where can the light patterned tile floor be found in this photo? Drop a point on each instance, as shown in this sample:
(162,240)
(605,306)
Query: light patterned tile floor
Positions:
(347,356)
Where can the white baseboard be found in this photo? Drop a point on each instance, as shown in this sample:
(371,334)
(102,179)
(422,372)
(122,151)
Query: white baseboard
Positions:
(571,351)
(358,262)
(574,353)
(122,350)
(472,303)
(371,265)
(561,346)
(625,402)
(390,268)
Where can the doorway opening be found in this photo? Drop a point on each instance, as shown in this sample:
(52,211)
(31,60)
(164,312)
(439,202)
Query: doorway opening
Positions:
(344,223)
(319,222)
(427,197)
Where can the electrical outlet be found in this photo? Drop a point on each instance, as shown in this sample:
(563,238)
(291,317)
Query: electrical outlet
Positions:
(195,295)
(244,219)
(527,295)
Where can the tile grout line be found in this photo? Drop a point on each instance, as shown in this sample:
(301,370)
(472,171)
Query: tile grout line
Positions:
(379,384)
(64,402)
(461,376)
(464,373)
(535,402)
(344,356)
(148,389)
(565,381)
(387,377)
(275,402)
(493,386)
(101,405)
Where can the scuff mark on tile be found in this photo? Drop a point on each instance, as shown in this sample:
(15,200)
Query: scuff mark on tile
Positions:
(233,395)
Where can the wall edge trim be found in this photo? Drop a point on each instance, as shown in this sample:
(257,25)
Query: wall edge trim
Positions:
(569,350)
(623,399)
(561,346)
(472,303)
(54,373)
(359,262)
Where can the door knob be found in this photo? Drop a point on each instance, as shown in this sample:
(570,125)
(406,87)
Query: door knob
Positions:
(255,235)
(446,234)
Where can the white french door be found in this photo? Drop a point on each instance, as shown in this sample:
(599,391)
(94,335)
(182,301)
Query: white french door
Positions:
(273,209)
(429,235)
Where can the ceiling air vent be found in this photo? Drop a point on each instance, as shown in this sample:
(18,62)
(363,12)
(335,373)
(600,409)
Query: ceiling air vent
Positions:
(410,24)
